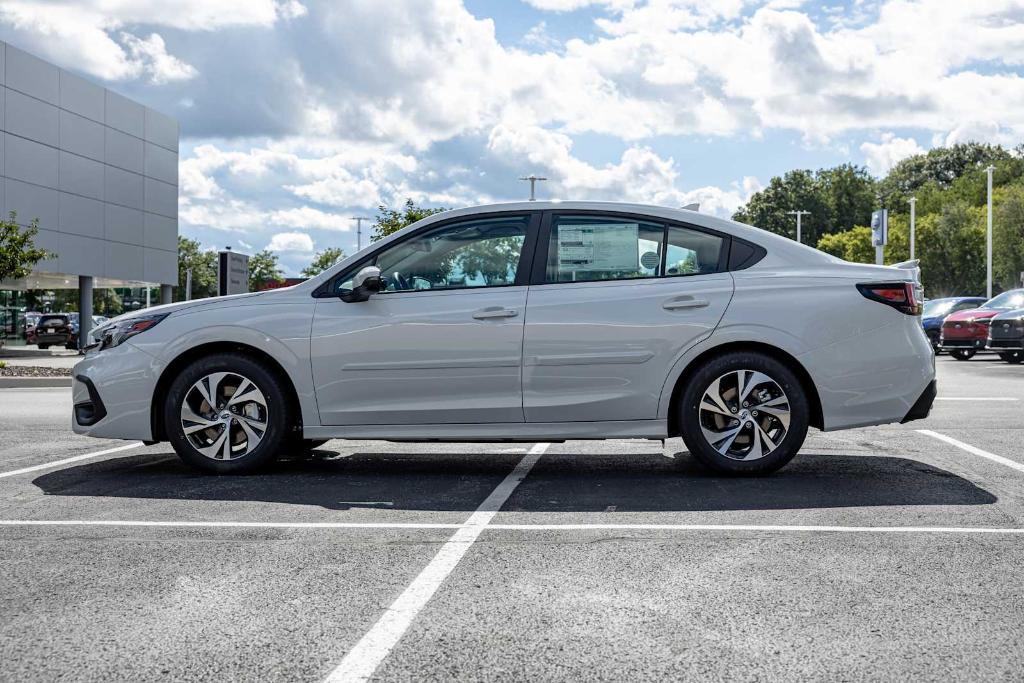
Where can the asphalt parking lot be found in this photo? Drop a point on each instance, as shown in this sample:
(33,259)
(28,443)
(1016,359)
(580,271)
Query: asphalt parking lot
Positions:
(880,553)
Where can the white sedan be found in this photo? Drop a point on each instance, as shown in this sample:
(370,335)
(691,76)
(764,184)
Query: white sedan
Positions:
(530,321)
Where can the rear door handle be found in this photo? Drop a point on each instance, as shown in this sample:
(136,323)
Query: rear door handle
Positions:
(496,312)
(684,302)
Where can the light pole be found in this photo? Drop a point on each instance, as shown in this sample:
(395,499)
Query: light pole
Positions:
(359,231)
(798,215)
(988,238)
(533,185)
(913,217)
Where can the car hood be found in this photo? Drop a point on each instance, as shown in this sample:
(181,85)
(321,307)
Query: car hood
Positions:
(972,314)
(211,302)
(1010,315)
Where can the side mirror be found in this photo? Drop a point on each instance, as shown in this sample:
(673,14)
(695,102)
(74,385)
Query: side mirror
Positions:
(366,282)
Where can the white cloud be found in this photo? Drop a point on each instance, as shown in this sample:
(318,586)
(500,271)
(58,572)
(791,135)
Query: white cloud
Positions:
(308,217)
(882,156)
(150,56)
(294,242)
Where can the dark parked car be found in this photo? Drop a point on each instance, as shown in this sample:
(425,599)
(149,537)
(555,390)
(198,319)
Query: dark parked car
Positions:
(966,332)
(936,310)
(52,329)
(97,320)
(1006,335)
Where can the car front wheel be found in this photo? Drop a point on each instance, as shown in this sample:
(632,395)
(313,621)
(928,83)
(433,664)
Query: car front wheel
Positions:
(227,414)
(1013,357)
(962,354)
(744,413)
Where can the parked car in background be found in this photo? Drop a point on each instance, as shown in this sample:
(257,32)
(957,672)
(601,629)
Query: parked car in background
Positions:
(52,329)
(532,321)
(936,310)
(964,333)
(97,320)
(31,318)
(1006,335)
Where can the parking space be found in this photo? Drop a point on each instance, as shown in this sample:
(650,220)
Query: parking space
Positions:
(882,552)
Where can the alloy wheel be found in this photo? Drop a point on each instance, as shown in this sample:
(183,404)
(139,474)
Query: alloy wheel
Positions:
(224,416)
(744,415)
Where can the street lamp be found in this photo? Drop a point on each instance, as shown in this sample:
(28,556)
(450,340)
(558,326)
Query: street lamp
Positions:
(798,214)
(359,231)
(988,238)
(533,185)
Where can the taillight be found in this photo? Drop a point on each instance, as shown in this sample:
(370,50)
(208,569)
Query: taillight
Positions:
(900,295)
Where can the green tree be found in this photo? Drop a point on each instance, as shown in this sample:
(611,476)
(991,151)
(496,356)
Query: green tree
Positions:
(952,251)
(941,166)
(18,252)
(1008,238)
(203,264)
(390,220)
(852,245)
(263,269)
(323,260)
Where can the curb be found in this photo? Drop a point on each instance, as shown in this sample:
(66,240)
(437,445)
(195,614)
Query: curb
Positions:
(28,382)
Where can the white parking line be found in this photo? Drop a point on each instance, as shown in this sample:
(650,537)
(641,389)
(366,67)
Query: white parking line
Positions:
(66,461)
(228,525)
(363,659)
(973,449)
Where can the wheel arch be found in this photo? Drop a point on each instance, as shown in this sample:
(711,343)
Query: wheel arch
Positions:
(194,353)
(784,357)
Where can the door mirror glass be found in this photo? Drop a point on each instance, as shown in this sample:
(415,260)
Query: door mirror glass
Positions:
(366,282)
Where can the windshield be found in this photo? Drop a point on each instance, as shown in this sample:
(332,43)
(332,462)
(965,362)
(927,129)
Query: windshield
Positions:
(937,307)
(1007,300)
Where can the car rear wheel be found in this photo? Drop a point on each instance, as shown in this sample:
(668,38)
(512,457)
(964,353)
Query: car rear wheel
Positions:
(962,354)
(1013,357)
(44,346)
(227,414)
(744,413)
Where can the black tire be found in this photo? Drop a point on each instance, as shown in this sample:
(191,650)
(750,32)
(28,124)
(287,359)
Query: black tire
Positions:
(963,354)
(43,347)
(1012,357)
(781,375)
(278,413)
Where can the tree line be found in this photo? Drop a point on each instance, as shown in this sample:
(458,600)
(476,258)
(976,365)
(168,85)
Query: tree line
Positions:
(949,184)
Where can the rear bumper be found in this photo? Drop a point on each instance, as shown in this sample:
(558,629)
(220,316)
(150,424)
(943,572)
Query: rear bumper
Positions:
(923,405)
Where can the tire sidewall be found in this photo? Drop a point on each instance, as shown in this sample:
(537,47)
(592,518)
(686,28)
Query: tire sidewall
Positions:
(721,365)
(278,412)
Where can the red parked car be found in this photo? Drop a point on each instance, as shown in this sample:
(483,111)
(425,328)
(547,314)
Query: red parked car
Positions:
(964,333)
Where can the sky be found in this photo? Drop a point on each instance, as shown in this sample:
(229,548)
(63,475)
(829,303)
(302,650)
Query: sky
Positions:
(297,115)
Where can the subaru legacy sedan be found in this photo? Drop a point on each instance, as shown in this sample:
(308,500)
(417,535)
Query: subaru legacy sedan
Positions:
(530,321)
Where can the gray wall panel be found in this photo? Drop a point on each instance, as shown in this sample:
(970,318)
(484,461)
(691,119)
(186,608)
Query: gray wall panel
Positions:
(161,198)
(124,151)
(33,201)
(125,261)
(31,118)
(123,187)
(160,266)
(125,115)
(161,164)
(3,61)
(50,241)
(161,130)
(81,97)
(81,216)
(160,232)
(81,135)
(30,161)
(82,254)
(124,225)
(82,176)
(32,75)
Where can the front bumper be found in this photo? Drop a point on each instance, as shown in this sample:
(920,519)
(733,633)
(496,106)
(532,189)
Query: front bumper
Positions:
(962,343)
(121,381)
(923,405)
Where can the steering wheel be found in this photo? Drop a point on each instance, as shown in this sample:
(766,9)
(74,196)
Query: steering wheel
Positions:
(401,284)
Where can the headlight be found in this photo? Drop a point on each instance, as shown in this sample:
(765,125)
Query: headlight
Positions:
(113,334)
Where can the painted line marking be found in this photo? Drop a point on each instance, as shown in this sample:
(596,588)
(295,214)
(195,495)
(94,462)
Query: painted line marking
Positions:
(66,461)
(783,528)
(973,449)
(362,660)
(974,398)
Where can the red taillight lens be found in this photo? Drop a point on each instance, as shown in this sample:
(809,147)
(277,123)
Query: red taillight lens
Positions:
(900,295)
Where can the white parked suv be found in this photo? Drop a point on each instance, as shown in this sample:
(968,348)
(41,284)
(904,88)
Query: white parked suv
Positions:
(531,321)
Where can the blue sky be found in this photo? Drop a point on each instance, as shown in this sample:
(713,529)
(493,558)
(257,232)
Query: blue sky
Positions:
(298,114)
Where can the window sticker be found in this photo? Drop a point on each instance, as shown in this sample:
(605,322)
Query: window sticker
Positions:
(612,246)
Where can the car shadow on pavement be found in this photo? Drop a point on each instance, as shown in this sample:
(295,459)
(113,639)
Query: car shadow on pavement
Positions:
(571,482)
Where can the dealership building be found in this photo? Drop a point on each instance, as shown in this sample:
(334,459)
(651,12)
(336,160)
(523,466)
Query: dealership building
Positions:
(100,174)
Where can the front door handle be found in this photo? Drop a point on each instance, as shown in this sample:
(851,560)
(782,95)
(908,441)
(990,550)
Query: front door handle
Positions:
(495,312)
(684,302)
